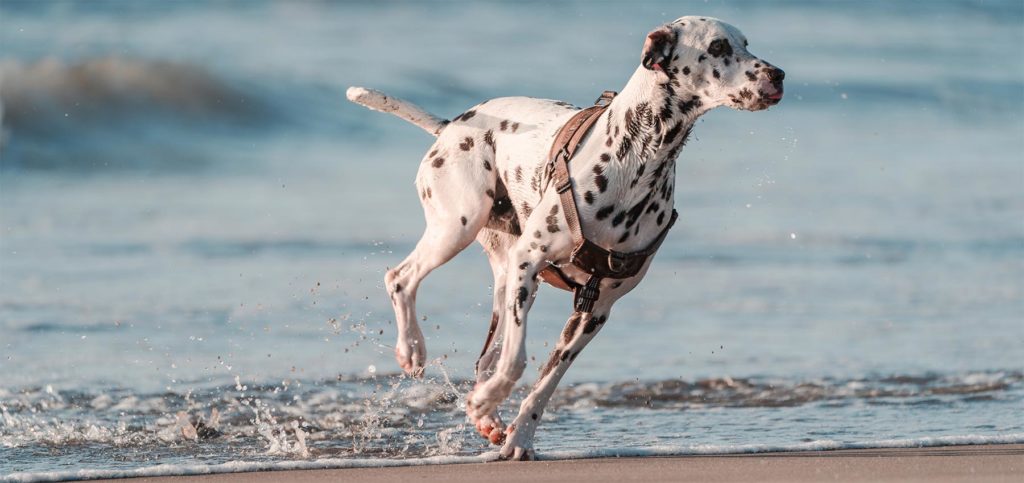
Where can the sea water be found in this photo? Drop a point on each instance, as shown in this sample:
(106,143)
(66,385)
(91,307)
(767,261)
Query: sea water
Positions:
(195,224)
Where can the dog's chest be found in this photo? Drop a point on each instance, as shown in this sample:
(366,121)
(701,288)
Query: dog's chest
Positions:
(622,179)
(624,201)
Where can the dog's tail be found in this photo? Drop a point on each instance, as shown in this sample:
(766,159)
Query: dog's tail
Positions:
(378,101)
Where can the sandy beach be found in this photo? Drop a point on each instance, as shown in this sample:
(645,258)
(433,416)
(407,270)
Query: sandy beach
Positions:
(946,463)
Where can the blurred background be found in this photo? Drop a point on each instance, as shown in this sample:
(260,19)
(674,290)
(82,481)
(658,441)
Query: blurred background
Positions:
(189,207)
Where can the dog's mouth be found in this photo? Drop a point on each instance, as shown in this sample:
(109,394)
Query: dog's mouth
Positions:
(774,97)
(769,96)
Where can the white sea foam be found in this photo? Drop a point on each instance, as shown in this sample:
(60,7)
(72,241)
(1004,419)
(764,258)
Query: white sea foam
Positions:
(658,450)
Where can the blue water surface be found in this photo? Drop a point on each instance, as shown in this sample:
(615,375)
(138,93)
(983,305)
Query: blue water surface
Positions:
(192,218)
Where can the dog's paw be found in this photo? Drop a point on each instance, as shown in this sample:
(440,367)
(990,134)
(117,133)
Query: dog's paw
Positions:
(485,398)
(411,357)
(491,428)
(518,446)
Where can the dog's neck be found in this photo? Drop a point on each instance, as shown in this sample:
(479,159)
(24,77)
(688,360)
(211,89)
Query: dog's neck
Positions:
(645,128)
(655,111)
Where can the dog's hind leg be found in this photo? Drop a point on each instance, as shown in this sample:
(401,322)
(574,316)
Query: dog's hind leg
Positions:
(525,259)
(496,245)
(454,214)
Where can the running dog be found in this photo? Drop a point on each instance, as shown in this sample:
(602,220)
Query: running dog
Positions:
(491,177)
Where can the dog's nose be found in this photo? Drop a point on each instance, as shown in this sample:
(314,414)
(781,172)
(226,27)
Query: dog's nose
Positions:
(776,74)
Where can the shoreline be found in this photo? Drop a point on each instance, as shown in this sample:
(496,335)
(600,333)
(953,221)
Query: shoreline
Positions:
(987,462)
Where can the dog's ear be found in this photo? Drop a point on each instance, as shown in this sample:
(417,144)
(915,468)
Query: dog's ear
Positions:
(658,48)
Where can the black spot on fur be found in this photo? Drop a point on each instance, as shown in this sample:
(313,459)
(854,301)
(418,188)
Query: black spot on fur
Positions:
(605,212)
(551,364)
(487,165)
(602,183)
(720,48)
(687,106)
(467,144)
(533,416)
(618,218)
(715,73)
(624,147)
(750,76)
(595,322)
(524,265)
(430,193)
(605,157)
(464,221)
(686,70)
(398,287)
(521,298)
(515,126)
(624,237)
(537,234)
(570,328)
(661,218)
(639,174)
(588,197)
(465,116)
(489,193)
(552,220)
(489,138)
(635,211)
(437,162)
(519,174)
(432,154)
(702,58)
(504,125)
(671,136)
(608,142)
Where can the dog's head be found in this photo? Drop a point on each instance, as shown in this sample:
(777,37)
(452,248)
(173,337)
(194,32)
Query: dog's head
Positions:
(711,57)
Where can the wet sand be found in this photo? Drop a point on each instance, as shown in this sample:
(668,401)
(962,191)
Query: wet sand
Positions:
(945,463)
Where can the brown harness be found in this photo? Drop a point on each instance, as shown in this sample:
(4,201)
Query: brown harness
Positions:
(587,256)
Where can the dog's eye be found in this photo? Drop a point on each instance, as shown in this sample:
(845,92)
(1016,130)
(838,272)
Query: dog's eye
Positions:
(719,47)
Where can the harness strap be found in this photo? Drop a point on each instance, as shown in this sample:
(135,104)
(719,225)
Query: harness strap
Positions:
(566,142)
(599,262)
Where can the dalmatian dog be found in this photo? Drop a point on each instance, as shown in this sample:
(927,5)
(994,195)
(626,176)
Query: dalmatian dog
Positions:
(486,178)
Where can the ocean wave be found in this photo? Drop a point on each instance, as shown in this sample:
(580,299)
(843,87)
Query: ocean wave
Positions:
(740,392)
(35,94)
(390,415)
(116,111)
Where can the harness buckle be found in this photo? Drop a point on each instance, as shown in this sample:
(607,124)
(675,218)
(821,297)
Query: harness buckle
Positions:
(606,98)
(564,186)
(586,295)
(616,262)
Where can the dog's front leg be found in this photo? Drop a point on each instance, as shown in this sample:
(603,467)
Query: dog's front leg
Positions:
(579,330)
